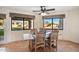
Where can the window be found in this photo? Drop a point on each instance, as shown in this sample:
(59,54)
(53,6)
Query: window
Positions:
(58,23)
(26,24)
(21,23)
(53,23)
(32,22)
(48,23)
(17,24)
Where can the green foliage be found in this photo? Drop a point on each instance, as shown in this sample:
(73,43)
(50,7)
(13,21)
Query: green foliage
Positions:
(1,32)
(16,29)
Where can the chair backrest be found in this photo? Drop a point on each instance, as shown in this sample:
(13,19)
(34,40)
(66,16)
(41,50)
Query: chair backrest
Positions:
(40,41)
(54,35)
(53,39)
(42,30)
(40,37)
(34,31)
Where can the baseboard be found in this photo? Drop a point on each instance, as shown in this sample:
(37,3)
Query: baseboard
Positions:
(68,41)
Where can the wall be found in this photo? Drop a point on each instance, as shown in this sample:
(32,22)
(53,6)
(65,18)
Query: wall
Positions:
(71,23)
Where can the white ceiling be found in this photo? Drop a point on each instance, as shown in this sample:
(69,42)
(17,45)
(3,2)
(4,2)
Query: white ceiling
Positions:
(31,8)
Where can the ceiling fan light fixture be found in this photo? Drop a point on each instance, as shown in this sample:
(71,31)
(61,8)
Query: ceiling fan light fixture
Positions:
(43,14)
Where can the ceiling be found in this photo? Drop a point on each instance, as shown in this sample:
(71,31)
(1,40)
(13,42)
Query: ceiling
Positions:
(31,8)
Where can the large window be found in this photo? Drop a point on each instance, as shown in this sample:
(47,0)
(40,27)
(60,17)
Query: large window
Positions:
(21,23)
(53,23)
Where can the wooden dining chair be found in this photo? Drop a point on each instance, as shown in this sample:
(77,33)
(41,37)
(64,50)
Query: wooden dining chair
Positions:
(40,41)
(32,42)
(53,40)
(34,31)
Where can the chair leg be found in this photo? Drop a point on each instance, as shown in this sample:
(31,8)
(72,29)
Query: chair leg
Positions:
(50,48)
(56,45)
(35,49)
(44,49)
(35,45)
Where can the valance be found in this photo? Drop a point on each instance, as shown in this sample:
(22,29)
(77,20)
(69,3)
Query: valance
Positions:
(3,16)
(55,16)
(21,15)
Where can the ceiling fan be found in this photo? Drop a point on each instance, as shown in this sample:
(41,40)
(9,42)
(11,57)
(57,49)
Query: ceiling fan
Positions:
(43,10)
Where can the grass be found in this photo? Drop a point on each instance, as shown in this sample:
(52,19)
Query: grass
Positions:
(17,29)
(1,32)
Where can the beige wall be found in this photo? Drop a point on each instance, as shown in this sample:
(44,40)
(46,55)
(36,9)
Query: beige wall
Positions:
(71,23)
(70,31)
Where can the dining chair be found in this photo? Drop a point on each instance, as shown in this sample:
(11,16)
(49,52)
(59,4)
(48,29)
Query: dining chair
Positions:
(34,31)
(53,40)
(32,42)
(40,41)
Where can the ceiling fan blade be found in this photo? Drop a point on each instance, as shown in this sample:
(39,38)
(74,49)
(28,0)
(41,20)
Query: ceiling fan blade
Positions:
(50,9)
(41,8)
